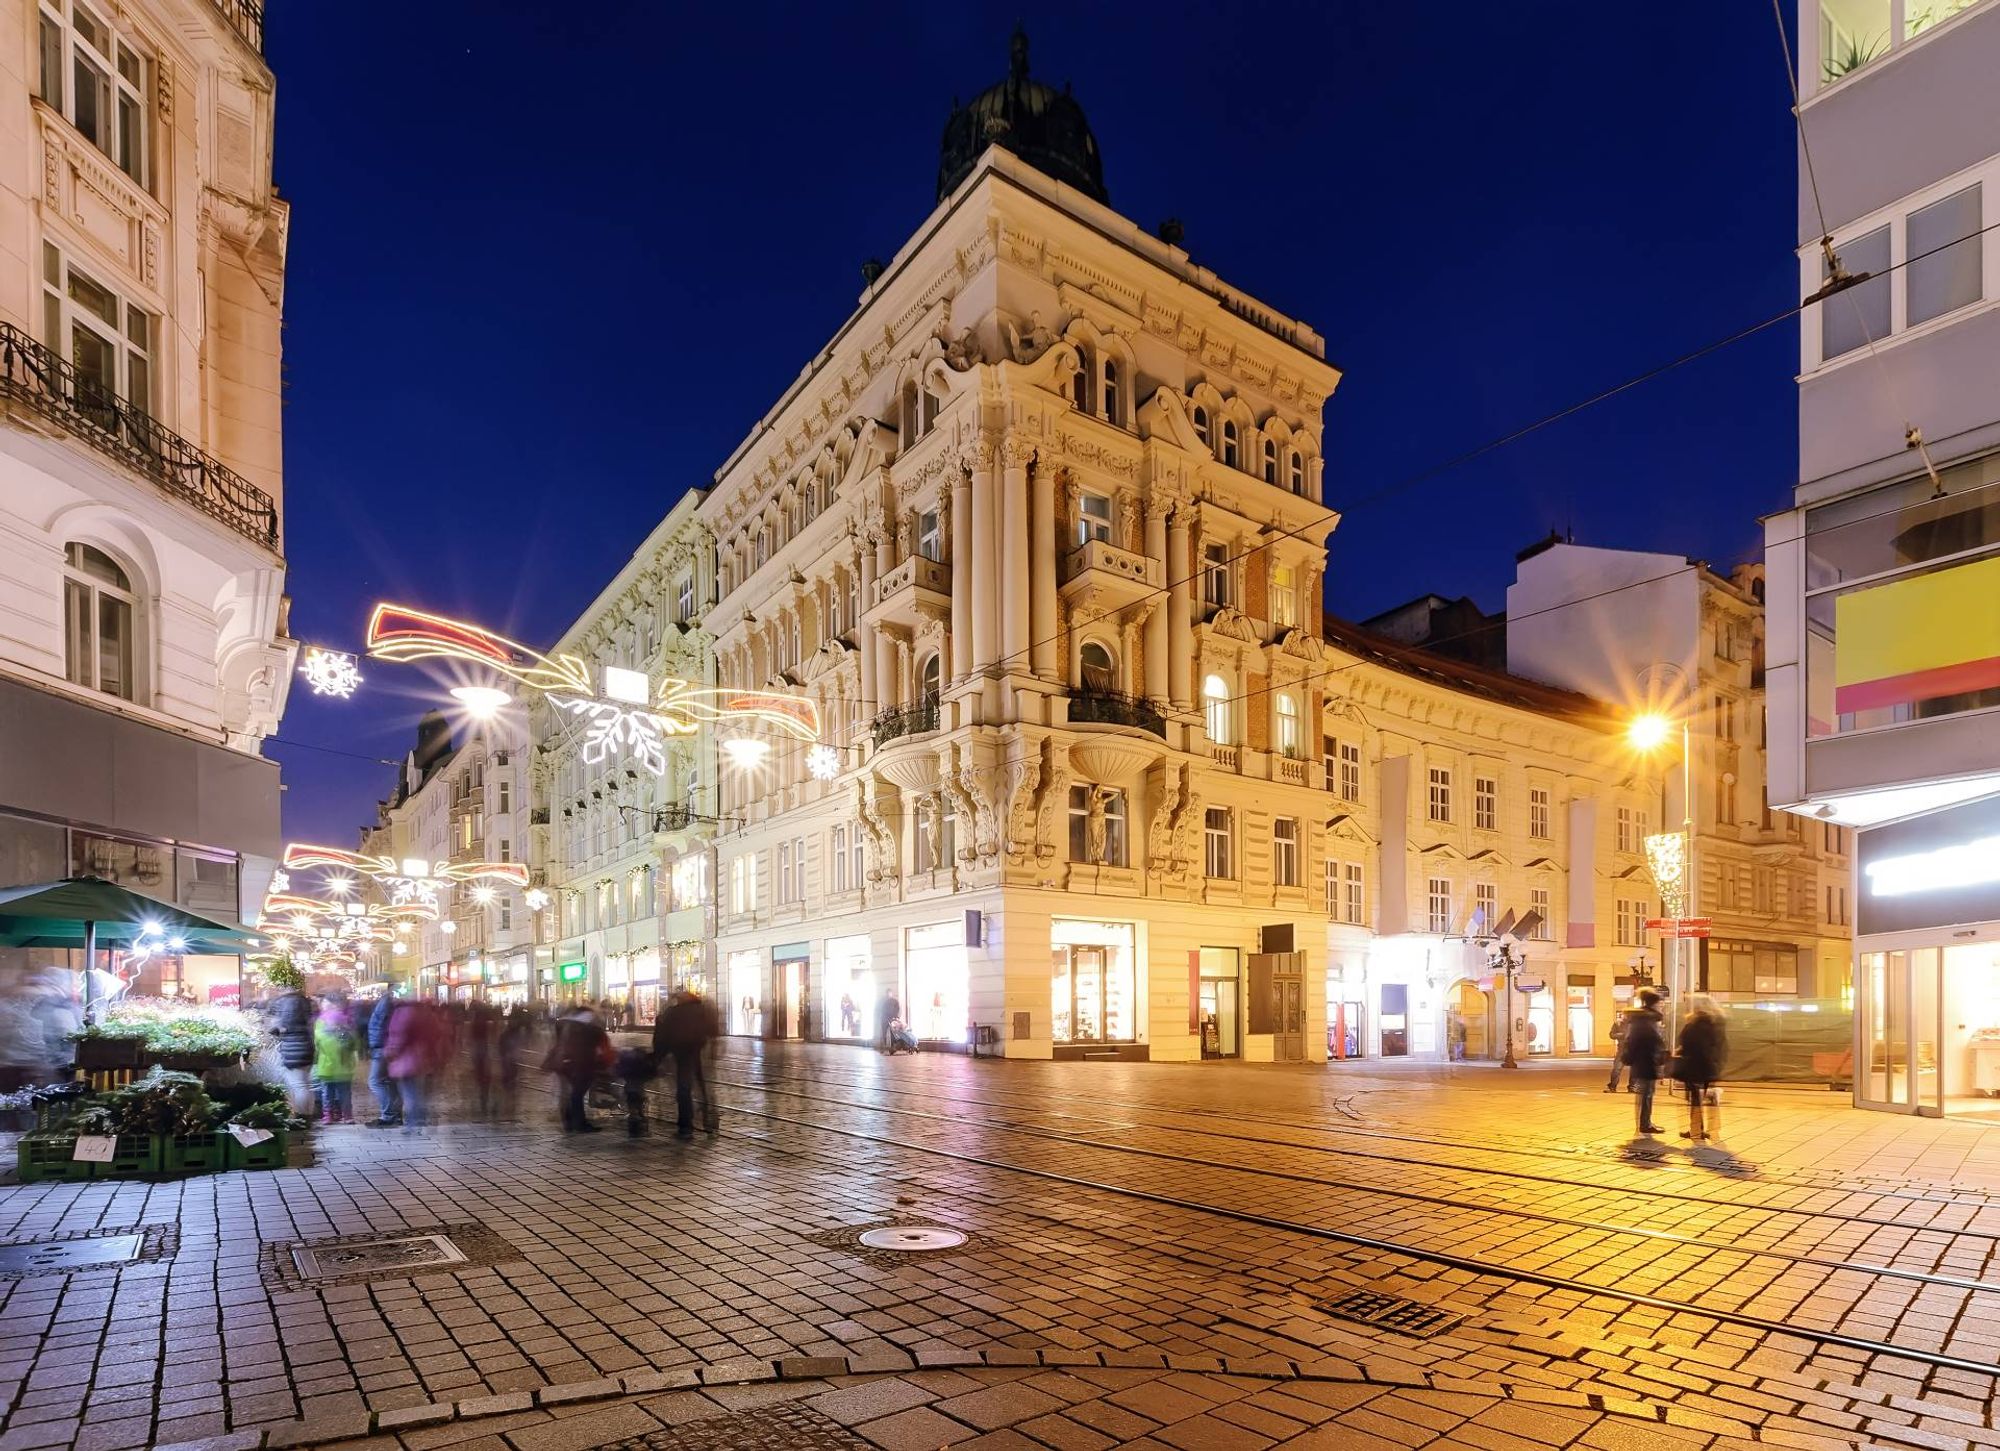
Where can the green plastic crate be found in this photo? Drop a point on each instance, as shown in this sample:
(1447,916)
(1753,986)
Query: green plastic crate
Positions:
(268,1155)
(135,1156)
(42,1158)
(193,1153)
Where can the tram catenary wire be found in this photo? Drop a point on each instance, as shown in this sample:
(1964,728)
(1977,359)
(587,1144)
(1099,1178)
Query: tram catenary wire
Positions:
(1101,1101)
(1763,1324)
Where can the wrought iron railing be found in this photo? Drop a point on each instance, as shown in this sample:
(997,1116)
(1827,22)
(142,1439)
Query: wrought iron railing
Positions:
(246,17)
(909,720)
(37,378)
(1108,707)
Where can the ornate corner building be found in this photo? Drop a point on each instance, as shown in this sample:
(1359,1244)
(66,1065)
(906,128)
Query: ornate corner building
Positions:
(143,647)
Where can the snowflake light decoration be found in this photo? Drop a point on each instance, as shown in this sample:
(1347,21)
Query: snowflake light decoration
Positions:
(330,672)
(823,762)
(536,898)
(610,727)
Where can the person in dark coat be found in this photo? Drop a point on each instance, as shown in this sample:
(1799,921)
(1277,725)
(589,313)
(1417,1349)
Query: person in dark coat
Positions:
(892,1009)
(1704,1051)
(582,1049)
(1641,1052)
(685,1029)
(291,1018)
(375,1037)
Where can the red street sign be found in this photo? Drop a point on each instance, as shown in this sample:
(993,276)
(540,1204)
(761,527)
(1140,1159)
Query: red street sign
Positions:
(1679,926)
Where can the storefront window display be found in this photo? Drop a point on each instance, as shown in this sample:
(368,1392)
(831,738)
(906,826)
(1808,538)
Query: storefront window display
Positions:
(1094,982)
(684,968)
(940,998)
(744,985)
(849,999)
(1219,1009)
(617,978)
(646,986)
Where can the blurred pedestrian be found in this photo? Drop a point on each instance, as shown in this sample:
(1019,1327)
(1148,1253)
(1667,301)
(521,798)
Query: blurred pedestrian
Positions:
(636,1068)
(1642,1051)
(333,1061)
(892,1009)
(1704,1050)
(290,1016)
(482,1044)
(418,1046)
(1620,1025)
(516,1033)
(685,1030)
(581,1051)
(388,1098)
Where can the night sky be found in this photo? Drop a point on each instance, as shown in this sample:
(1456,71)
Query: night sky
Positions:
(549,263)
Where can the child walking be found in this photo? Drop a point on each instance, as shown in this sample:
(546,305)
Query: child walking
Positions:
(333,1062)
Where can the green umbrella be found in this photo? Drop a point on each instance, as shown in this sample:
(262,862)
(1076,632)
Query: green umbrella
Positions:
(89,912)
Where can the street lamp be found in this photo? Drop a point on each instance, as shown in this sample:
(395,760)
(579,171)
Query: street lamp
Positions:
(1670,855)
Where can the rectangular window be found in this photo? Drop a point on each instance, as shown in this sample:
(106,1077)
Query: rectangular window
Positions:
(1943,247)
(1485,907)
(930,542)
(1625,829)
(1332,888)
(1439,903)
(1538,813)
(1725,719)
(1440,802)
(108,340)
(506,850)
(1538,901)
(1350,771)
(1217,841)
(506,915)
(837,852)
(1765,969)
(1632,914)
(785,872)
(1354,889)
(1215,575)
(1485,802)
(684,599)
(1857,315)
(1093,518)
(506,801)
(1284,596)
(98,82)
(1285,851)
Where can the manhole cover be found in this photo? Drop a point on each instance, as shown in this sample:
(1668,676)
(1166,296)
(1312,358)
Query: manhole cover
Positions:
(1388,1312)
(911,1238)
(787,1426)
(69,1254)
(381,1256)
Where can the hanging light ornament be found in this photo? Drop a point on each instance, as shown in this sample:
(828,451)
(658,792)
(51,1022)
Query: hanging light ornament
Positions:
(329,672)
(823,762)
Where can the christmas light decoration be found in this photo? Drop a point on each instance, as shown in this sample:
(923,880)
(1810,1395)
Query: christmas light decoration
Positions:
(620,713)
(536,898)
(823,762)
(329,672)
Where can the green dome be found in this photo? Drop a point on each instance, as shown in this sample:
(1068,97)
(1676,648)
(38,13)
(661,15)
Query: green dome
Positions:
(1041,125)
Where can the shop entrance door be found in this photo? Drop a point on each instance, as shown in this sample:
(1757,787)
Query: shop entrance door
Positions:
(1218,1018)
(791,974)
(1395,1020)
(1897,1032)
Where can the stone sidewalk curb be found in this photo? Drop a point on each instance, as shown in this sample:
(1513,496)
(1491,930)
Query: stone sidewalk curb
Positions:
(333,1429)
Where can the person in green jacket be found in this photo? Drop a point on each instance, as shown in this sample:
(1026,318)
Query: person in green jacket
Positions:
(334,1053)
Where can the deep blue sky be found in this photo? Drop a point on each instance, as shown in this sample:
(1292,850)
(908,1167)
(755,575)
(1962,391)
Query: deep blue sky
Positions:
(550,262)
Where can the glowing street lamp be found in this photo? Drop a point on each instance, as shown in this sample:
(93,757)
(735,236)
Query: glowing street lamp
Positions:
(1649,732)
(1670,854)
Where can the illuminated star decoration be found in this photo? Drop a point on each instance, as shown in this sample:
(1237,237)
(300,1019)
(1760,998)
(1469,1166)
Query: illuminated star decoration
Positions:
(413,885)
(330,672)
(823,762)
(536,898)
(621,712)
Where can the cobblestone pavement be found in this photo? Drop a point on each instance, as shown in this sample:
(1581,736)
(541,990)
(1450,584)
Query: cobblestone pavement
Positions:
(1155,1256)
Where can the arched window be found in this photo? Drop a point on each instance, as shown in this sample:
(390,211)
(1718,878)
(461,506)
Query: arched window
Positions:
(812,500)
(1097,668)
(932,683)
(1232,453)
(1110,394)
(1215,707)
(98,611)
(931,405)
(907,422)
(1291,742)
(1201,426)
(1296,462)
(1079,381)
(1270,461)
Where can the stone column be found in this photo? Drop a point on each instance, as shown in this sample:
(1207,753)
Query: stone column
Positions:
(984,520)
(1043,527)
(871,682)
(1016,454)
(1156,645)
(1180,611)
(963,551)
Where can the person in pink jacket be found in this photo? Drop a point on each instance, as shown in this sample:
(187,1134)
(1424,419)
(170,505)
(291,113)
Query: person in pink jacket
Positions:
(416,1049)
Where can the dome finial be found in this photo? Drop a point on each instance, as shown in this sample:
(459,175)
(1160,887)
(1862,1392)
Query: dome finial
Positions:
(1017,51)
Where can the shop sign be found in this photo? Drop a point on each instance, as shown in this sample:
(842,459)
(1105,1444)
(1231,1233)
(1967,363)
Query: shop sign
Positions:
(1679,926)
(1939,870)
(573,971)
(1530,985)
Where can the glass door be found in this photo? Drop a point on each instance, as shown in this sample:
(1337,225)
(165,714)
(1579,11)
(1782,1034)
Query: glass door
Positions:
(1897,1031)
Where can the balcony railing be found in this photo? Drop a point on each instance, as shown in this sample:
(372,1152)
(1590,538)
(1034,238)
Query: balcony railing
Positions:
(38,379)
(1225,757)
(910,720)
(1289,768)
(1108,707)
(246,17)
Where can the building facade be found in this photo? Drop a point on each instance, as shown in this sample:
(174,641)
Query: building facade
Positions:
(626,852)
(1042,531)
(143,648)
(1884,643)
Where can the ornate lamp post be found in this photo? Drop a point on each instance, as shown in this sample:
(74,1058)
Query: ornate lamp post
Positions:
(1670,854)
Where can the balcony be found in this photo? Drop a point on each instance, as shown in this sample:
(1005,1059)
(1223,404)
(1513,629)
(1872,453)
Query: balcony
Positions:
(246,18)
(1102,577)
(1854,34)
(1109,707)
(1289,769)
(38,380)
(911,720)
(918,589)
(1226,757)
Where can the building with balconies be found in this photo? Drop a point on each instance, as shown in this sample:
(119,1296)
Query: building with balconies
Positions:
(1041,531)
(1883,654)
(624,849)
(143,648)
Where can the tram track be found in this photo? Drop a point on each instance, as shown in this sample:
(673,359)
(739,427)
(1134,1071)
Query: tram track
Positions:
(1844,1272)
(1652,1166)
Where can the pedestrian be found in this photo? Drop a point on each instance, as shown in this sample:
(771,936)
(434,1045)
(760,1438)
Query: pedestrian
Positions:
(1642,1051)
(388,1098)
(515,1034)
(482,1040)
(417,1047)
(581,1050)
(635,1069)
(290,1016)
(1704,1049)
(333,1062)
(892,1009)
(685,1030)
(1619,1027)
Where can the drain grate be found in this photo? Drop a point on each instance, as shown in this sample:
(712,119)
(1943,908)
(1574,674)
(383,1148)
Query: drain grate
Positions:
(394,1254)
(380,1256)
(787,1426)
(1389,1312)
(91,1249)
